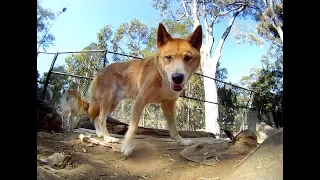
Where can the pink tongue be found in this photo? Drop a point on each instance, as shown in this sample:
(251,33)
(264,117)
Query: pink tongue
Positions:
(176,87)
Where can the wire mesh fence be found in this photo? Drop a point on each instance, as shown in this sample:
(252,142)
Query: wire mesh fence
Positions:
(76,69)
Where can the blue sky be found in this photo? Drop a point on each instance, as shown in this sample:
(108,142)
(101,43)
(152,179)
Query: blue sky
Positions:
(77,28)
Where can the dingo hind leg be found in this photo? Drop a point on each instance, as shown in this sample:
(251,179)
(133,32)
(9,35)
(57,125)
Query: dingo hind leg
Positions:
(105,107)
(96,124)
(93,113)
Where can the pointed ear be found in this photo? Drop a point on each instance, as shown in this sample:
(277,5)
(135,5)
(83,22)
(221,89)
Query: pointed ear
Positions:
(195,39)
(163,36)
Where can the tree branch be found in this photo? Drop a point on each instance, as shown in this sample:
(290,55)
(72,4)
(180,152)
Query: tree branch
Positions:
(235,3)
(277,43)
(255,7)
(205,17)
(185,8)
(265,3)
(225,13)
(277,28)
(205,20)
(138,47)
(208,1)
(274,16)
(195,11)
(213,18)
(217,52)
(180,18)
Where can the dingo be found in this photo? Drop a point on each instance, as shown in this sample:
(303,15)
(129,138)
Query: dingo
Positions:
(72,105)
(155,80)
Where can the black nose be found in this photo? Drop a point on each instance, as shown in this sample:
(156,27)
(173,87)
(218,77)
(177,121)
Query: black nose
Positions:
(177,78)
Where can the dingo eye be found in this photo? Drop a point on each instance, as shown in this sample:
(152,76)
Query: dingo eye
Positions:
(187,58)
(168,57)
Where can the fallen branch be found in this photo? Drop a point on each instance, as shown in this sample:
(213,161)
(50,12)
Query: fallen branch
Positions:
(116,127)
(90,141)
(246,157)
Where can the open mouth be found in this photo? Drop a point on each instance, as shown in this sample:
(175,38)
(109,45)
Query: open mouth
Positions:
(177,87)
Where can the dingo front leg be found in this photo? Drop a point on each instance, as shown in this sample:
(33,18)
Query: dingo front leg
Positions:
(128,145)
(168,111)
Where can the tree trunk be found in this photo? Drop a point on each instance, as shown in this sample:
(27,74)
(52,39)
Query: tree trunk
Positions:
(210,88)
(209,69)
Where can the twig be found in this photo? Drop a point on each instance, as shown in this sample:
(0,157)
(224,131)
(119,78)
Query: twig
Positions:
(246,157)
(144,177)
(124,158)
(217,158)
(216,178)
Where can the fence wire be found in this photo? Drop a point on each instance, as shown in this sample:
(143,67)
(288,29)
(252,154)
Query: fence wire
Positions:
(81,66)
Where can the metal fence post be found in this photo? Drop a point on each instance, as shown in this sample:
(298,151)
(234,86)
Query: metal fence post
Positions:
(105,58)
(48,75)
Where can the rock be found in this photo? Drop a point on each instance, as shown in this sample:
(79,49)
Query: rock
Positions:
(47,117)
(204,153)
(266,163)
(57,159)
(42,174)
(246,137)
(264,130)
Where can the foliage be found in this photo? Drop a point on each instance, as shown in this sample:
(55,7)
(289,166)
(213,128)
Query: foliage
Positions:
(266,81)
(83,64)
(59,82)
(177,29)
(270,24)
(44,17)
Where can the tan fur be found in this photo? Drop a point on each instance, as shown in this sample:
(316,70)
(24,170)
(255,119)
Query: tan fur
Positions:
(72,105)
(146,81)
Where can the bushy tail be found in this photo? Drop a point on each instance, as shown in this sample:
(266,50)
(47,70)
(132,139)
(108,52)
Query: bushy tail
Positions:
(90,90)
(93,110)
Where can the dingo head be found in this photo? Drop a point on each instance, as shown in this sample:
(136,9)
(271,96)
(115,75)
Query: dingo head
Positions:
(178,59)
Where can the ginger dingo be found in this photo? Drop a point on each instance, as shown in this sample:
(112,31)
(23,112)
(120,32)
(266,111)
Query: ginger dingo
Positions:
(155,80)
(72,105)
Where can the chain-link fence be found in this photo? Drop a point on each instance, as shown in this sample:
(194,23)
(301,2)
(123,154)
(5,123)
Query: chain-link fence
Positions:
(80,67)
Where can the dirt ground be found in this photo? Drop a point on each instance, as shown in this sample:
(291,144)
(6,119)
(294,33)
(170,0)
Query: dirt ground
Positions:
(153,158)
